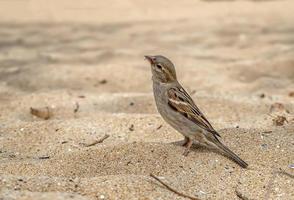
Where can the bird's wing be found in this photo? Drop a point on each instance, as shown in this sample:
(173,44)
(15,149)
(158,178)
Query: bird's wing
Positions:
(179,100)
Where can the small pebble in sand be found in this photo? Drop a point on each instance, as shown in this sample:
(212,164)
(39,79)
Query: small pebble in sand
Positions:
(103,81)
(264,146)
(291,166)
(131,128)
(291,94)
(43,113)
(202,192)
(262,95)
(279,120)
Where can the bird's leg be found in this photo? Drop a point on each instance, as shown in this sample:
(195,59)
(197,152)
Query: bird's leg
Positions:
(188,146)
(185,141)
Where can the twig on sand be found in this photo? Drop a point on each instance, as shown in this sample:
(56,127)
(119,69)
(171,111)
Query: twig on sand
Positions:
(159,127)
(286,173)
(44,157)
(97,141)
(173,190)
(272,179)
(270,185)
(77,107)
(240,195)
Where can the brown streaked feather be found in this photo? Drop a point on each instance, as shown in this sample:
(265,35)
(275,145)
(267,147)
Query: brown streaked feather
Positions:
(180,100)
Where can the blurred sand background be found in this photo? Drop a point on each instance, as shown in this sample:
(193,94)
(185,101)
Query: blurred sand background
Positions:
(236,58)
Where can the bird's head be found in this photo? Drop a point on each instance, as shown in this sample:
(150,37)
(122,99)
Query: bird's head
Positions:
(162,68)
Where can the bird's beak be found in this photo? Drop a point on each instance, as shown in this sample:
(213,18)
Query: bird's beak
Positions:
(151,59)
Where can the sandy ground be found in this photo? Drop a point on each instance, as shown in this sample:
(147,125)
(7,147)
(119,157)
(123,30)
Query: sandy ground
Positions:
(236,58)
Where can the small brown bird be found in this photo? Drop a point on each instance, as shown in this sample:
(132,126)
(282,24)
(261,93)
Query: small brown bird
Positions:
(179,110)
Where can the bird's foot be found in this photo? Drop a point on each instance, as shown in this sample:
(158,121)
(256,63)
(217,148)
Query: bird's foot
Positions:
(186,141)
(186,152)
(188,146)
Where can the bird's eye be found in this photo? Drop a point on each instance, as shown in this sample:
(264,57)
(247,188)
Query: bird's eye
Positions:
(159,66)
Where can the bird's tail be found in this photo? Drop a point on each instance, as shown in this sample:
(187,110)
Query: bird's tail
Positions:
(231,154)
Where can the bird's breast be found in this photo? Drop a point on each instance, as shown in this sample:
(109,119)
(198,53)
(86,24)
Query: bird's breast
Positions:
(172,117)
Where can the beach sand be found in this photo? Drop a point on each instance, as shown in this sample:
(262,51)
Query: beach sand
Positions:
(83,63)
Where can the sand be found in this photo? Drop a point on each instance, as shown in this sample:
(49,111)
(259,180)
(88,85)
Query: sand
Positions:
(236,58)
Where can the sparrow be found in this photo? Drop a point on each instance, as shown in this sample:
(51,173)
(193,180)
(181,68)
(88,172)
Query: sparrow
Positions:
(178,109)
